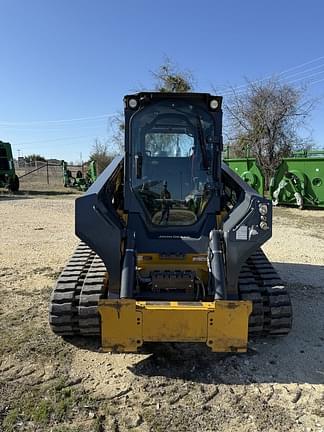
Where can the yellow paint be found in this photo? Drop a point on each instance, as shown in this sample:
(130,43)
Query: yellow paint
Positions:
(127,324)
(120,330)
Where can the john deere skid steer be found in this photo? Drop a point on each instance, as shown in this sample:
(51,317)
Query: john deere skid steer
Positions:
(171,240)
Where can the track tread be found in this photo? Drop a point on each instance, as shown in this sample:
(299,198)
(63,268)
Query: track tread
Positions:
(63,312)
(94,288)
(260,283)
(276,301)
(250,291)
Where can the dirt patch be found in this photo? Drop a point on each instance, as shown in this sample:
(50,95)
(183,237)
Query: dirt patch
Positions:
(48,384)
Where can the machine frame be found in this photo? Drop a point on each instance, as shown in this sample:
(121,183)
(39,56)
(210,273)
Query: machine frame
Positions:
(223,244)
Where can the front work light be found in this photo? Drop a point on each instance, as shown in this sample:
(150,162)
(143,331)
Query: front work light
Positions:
(132,103)
(263,209)
(213,104)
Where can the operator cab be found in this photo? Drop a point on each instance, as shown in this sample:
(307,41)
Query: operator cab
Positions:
(175,146)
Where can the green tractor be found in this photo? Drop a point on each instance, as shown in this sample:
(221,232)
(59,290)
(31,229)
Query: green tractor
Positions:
(8,176)
(79,181)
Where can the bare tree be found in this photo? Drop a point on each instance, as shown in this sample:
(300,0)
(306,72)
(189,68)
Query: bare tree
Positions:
(167,78)
(99,154)
(268,118)
(118,127)
(34,157)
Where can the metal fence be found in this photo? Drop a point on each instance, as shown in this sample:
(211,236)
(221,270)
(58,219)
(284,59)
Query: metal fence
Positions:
(42,175)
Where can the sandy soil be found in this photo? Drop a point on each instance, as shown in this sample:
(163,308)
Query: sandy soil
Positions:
(47,384)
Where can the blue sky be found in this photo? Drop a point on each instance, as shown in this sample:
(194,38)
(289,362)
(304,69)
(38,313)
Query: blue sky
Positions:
(65,65)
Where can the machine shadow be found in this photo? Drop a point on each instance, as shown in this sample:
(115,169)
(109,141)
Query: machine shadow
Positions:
(303,274)
(86,343)
(298,357)
(51,192)
(26,194)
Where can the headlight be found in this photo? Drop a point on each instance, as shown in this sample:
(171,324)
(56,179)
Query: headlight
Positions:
(132,103)
(264,225)
(213,104)
(263,209)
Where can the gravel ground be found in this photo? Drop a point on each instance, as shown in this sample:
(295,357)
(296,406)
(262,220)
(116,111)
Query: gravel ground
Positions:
(47,384)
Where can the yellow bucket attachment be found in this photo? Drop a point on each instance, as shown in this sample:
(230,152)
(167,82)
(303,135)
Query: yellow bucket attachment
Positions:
(222,324)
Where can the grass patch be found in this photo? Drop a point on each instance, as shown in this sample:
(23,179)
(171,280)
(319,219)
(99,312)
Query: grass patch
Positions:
(48,405)
(26,333)
(14,335)
(11,420)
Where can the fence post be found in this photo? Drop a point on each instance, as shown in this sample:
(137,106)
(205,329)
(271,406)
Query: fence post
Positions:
(47,172)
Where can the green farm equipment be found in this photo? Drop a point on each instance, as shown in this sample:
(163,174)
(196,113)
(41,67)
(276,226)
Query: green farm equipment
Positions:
(8,176)
(79,181)
(247,168)
(299,180)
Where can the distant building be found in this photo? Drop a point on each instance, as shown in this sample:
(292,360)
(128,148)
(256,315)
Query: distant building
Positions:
(54,161)
(21,162)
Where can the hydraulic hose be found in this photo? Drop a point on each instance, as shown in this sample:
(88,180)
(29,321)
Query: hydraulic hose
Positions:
(128,269)
(216,263)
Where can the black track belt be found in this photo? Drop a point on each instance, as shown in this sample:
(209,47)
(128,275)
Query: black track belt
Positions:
(274,315)
(93,289)
(76,293)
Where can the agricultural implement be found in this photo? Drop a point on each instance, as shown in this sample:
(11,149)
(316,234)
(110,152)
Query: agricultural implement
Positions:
(79,181)
(247,168)
(299,180)
(8,177)
(170,240)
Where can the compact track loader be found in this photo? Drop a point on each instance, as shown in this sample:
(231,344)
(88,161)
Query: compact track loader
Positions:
(171,240)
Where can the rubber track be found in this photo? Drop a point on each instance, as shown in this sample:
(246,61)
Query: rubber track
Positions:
(249,290)
(64,301)
(93,289)
(277,309)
